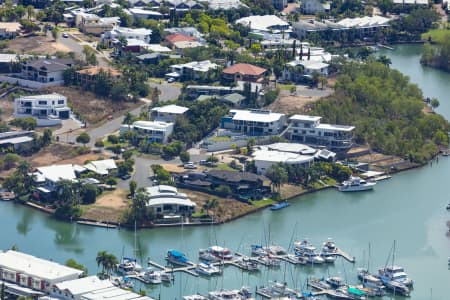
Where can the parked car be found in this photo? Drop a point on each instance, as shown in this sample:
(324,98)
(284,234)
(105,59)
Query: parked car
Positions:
(125,176)
(170,79)
(65,35)
(190,165)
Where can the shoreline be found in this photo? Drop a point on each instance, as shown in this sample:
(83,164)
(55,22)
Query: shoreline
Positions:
(117,225)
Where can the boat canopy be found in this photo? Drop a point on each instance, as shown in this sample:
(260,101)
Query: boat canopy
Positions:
(177,255)
(355,291)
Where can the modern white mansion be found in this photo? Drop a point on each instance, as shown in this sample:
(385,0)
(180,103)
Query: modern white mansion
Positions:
(308,130)
(254,122)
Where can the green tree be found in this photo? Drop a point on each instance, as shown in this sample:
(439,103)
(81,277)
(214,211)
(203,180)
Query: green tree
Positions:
(277,176)
(434,103)
(71,263)
(184,156)
(89,193)
(47,137)
(133,187)
(111,181)
(55,32)
(10,160)
(83,138)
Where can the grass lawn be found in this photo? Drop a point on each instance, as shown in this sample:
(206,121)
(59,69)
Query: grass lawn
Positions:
(286,87)
(437,35)
(262,203)
(330,181)
(224,167)
(220,139)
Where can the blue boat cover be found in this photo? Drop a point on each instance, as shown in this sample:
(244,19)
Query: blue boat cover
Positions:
(178,255)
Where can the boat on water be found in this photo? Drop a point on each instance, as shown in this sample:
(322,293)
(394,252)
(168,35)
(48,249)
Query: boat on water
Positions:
(207,269)
(242,294)
(336,282)
(279,205)
(122,282)
(151,276)
(195,297)
(206,255)
(128,266)
(356,293)
(221,253)
(356,184)
(318,284)
(394,273)
(258,250)
(247,264)
(269,261)
(371,282)
(278,289)
(340,293)
(397,288)
(329,251)
(308,252)
(177,258)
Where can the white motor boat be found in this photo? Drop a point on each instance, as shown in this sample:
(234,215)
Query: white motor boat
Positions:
(151,276)
(128,266)
(195,297)
(206,255)
(394,273)
(207,269)
(356,184)
(269,261)
(371,282)
(221,253)
(166,277)
(241,294)
(277,290)
(308,252)
(247,264)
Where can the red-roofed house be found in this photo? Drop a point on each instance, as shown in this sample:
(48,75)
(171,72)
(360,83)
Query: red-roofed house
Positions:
(244,72)
(177,37)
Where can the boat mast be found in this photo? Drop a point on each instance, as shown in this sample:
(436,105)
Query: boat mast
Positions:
(393,255)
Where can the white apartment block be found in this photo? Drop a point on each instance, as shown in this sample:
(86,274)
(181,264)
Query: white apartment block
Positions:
(168,113)
(152,131)
(254,122)
(48,110)
(309,130)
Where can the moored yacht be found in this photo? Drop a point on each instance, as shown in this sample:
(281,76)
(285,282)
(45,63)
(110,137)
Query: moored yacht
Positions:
(241,294)
(177,258)
(247,264)
(356,184)
(151,276)
(394,273)
(128,266)
(195,297)
(336,282)
(220,252)
(206,255)
(308,252)
(207,269)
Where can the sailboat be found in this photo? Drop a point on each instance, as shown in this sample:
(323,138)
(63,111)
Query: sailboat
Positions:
(129,265)
(394,272)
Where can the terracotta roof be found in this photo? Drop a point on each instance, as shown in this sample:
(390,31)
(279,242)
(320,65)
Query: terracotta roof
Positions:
(245,69)
(177,37)
(96,70)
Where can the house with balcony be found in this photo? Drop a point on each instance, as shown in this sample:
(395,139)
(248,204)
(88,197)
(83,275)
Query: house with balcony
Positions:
(92,24)
(168,113)
(308,130)
(165,200)
(255,122)
(142,34)
(153,131)
(244,72)
(46,70)
(194,70)
(48,110)
(312,7)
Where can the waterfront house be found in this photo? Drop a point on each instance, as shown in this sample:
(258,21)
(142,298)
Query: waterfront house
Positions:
(244,72)
(255,122)
(46,70)
(27,273)
(101,167)
(265,158)
(240,183)
(168,113)
(298,70)
(18,141)
(309,130)
(9,30)
(48,110)
(165,200)
(153,131)
(266,23)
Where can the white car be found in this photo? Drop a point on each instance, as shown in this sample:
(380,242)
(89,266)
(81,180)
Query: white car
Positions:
(65,35)
(189,165)
(170,80)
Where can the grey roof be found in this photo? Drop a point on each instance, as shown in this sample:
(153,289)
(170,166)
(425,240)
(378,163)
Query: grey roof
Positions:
(234,176)
(234,98)
(148,56)
(52,65)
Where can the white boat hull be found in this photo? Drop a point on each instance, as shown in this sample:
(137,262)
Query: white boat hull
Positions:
(357,188)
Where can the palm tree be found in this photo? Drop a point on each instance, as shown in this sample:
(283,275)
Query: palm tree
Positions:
(110,263)
(101,259)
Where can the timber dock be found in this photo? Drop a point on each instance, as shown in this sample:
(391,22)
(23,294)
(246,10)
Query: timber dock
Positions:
(98,224)
(345,255)
(187,269)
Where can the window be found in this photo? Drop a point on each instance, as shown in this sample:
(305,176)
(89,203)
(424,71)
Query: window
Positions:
(60,101)
(42,102)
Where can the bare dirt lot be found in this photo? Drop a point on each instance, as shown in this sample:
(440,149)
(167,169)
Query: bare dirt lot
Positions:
(93,109)
(108,207)
(41,45)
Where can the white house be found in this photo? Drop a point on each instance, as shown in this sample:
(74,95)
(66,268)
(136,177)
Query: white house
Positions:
(23,270)
(48,110)
(265,158)
(254,122)
(164,199)
(93,24)
(101,167)
(141,34)
(50,176)
(168,113)
(309,130)
(192,70)
(74,289)
(139,13)
(153,131)
(295,70)
(312,7)
(266,23)
(113,293)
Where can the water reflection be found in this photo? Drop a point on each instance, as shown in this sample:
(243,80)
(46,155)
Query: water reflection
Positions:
(68,235)
(27,219)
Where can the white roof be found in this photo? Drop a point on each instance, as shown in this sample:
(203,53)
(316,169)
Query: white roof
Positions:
(292,147)
(201,66)
(53,96)
(36,267)
(127,30)
(152,125)
(16,140)
(157,48)
(139,11)
(84,285)
(5,57)
(113,293)
(224,4)
(188,44)
(161,189)
(101,167)
(305,118)
(170,200)
(364,21)
(282,157)
(172,109)
(312,64)
(255,115)
(56,173)
(333,127)
(262,23)
(420,2)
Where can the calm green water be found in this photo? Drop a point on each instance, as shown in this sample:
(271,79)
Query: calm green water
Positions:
(409,208)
